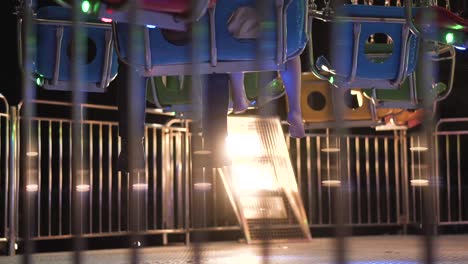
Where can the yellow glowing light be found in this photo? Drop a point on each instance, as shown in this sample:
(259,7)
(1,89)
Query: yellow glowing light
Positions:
(419,182)
(32,154)
(140,186)
(254,177)
(418,149)
(82,188)
(330,150)
(244,145)
(202,186)
(331,183)
(32,188)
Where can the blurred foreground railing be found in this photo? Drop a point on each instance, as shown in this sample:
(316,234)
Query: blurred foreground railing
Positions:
(383,183)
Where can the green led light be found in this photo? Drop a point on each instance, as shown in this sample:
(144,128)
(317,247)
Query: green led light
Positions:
(449,38)
(332,80)
(85,6)
(457,27)
(39,81)
(96,7)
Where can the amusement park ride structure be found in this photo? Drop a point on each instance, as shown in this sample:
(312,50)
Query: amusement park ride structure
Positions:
(204,62)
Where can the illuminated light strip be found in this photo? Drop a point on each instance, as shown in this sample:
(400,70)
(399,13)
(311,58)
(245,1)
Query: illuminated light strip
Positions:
(32,188)
(331,183)
(32,154)
(419,182)
(82,188)
(106,20)
(418,149)
(202,186)
(140,186)
(330,150)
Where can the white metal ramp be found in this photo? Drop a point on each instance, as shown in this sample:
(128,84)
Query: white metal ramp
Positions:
(261,184)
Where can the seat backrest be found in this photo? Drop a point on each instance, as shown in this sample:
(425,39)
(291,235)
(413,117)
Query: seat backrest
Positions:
(349,33)
(54,46)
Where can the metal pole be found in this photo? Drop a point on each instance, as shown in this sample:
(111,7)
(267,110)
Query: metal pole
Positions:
(13,208)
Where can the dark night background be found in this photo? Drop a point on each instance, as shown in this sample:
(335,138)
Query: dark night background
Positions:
(453,106)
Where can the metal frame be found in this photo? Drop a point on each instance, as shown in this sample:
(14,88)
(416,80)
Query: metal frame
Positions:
(150,17)
(455,130)
(415,101)
(102,136)
(55,84)
(215,66)
(382,180)
(5,205)
(342,82)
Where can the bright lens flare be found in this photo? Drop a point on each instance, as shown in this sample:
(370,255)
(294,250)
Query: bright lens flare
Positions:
(244,146)
(253,177)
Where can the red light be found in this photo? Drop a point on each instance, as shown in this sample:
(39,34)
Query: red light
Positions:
(106,20)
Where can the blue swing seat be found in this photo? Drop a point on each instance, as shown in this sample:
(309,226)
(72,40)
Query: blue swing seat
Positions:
(53,62)
(352,66)
(220,51)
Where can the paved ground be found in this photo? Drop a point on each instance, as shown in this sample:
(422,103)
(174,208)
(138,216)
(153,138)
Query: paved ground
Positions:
(360,250)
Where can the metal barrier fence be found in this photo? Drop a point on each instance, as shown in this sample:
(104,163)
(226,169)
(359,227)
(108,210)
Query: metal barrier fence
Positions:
(383,180)
(373,179)
(452,194)
(4,168)
(107,201)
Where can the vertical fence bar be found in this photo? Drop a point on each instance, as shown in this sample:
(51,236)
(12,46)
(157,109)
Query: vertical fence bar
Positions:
(447,175)
(298,166)
(49,190)
(319,179)
(188,177)
(91,176)
(5,136)
(437,173)
(13,175)
(101,168)
(396,156)
(60,194)
(155,180)
(348,165)
(377,177)
(358,180)
(109,186)
(459,183)
(330,206)
(70,181)
(368,185)
(387,180)
(413,189)
(39,177)
(404,180)
(309,179)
